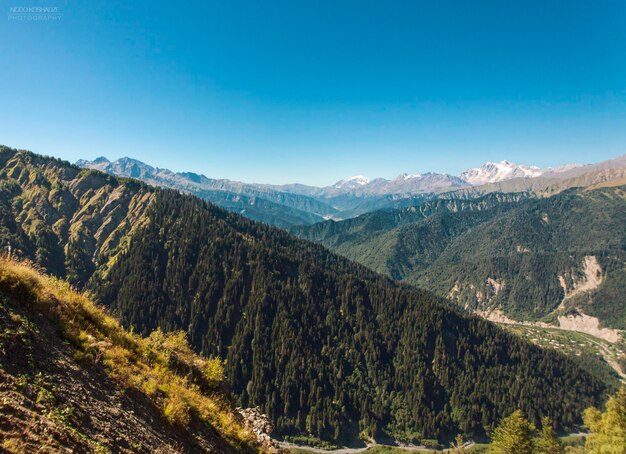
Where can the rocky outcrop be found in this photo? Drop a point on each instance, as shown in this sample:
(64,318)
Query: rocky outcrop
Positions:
(260,425)
(483,295)
(580,322)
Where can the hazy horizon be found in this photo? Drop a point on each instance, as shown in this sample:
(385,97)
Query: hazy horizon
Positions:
(370,177)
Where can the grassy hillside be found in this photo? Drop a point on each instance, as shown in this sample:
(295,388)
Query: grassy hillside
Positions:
(597,355)
(326,347)
(69,221)
(524,256)
(73,378)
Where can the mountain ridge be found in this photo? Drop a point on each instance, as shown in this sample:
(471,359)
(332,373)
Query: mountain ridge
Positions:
(274,207)
(298,204)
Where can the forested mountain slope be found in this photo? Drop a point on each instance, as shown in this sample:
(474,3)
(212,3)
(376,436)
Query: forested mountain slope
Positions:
(527,256)
(551,254)
(379,239)
(70,221)
(323,345)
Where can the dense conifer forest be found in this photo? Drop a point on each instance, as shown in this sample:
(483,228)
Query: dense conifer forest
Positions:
(508,251)
(325,346)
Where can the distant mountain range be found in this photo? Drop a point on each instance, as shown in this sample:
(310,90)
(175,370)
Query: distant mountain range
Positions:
(544,248)
(297,204)
(433,230)
(493,172)
(256,202)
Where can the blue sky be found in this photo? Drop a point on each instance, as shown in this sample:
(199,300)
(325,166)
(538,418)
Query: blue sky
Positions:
(314,91)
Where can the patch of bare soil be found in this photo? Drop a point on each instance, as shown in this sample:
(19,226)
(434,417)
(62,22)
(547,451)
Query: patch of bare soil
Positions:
(591,278)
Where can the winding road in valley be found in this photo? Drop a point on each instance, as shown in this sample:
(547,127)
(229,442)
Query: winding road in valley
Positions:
(313,449)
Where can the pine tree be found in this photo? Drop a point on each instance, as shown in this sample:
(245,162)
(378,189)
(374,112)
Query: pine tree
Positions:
(513,435)
(324,346)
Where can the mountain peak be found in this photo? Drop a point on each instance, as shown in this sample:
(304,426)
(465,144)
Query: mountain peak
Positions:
(126,166)
(492,172)
(408,176)
(129,161)
(352,182)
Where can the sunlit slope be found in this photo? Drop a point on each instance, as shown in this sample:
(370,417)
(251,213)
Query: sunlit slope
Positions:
(73,378)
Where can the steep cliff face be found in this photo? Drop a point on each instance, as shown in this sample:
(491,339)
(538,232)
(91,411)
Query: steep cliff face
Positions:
(546,258)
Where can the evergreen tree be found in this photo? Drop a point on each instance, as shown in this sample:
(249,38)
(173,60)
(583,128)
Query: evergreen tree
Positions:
(324,346)
(459,248)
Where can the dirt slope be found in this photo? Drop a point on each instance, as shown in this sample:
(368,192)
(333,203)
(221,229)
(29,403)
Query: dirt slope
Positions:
(55,398)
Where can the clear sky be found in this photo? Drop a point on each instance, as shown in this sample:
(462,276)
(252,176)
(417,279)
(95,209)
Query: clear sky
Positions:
(312,90)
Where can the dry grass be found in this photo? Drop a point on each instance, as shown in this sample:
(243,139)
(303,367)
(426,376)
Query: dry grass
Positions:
(162,366)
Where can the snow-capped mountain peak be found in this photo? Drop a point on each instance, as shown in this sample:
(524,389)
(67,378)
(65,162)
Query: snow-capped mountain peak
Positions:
(352,182)
(492,172)
(563,168)
(408,176)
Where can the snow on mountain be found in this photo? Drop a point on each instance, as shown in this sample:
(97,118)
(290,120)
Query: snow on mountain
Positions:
(222,192)
(408,176)
(406,184)
(352,182)
(345,195)
(563,168)
(492,172)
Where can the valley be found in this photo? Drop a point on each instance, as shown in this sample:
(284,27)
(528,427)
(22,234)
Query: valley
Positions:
(575,343)
(555,260)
